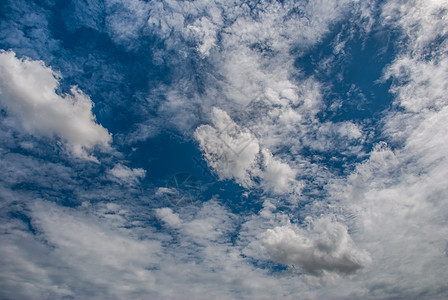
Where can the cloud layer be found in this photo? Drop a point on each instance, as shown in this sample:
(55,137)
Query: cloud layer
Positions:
(319,128)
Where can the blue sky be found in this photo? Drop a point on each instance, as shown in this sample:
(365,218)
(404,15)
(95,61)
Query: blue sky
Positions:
(223,149)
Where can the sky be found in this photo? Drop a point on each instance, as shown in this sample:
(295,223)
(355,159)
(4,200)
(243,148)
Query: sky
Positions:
(223,149)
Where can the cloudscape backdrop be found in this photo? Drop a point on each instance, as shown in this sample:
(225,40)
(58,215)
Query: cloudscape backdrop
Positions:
(225,149)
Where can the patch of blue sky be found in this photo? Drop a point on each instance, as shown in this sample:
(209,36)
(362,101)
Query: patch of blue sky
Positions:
(351,64)
(168,157)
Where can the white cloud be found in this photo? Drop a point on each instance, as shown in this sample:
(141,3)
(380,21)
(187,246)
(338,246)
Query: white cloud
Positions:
(425,88)
(28,92)
(278,176)
(205,31)
(166,19)
(398,195)
(161,191)
(208,222)
(251,59)
(327,247)
(229,149)
(328,136)
(82,252)
(422,22)
(126,175)
(75,249)
(234,153)
(212,222)
(166,215)
(125,20)
(399,203)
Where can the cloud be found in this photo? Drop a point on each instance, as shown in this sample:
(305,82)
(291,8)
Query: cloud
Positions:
(278,177)
(421,22)
(234,54)
(398,204)
(125,21)
(205,31)
(166,215)
(77,241)
(229,149)
(126,175)
(73,247)
(212,222)
(28,92)
(327,247)
(234,153)
(233,84)
(398,195)
(425,82)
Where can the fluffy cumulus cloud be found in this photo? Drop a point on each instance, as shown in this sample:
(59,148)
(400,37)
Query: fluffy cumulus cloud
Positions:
(295,149)
(327,247)
(29,94)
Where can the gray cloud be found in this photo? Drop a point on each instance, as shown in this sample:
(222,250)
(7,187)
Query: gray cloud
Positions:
(327,247)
